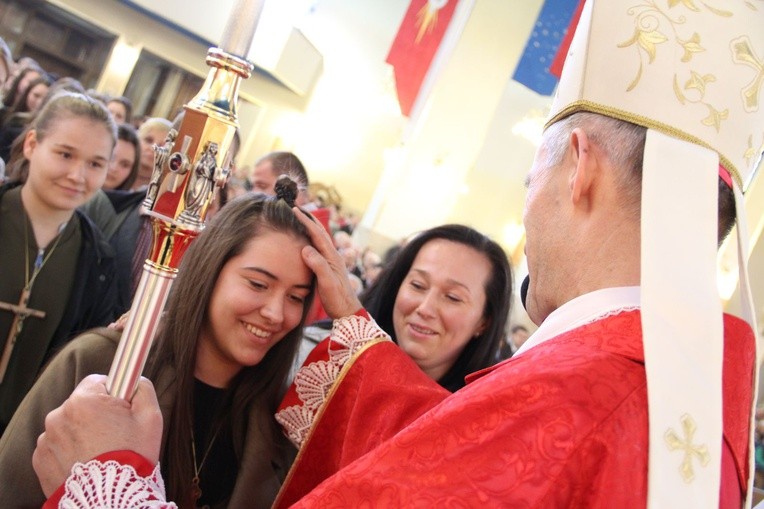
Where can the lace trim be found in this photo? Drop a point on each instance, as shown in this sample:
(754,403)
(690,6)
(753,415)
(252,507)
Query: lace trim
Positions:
(314,381)
(612,312)
(114,486)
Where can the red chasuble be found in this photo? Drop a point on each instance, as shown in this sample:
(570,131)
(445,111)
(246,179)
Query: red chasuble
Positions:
(562,425)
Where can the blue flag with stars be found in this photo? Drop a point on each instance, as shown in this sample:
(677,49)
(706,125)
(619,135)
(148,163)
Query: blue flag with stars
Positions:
(548,32)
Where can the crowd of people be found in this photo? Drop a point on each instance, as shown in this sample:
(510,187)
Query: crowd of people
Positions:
(420,394)
(79,167)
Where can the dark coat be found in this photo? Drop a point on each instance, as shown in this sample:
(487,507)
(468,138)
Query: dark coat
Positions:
(117,214)
(93,298)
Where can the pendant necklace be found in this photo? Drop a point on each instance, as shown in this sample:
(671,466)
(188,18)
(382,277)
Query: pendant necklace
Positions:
(196,490)
(21,310)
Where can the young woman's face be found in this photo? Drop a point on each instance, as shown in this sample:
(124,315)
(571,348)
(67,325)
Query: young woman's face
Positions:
(258,298)
(25,81)
(35,96)
(69,164)
(440,304)
(120,165)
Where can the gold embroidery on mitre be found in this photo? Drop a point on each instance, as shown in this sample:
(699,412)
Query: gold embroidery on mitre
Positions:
(743,53)
(752,152)
(647,35)
(427,17)
(690,4)
(698,83)
(750,4)
(691,451)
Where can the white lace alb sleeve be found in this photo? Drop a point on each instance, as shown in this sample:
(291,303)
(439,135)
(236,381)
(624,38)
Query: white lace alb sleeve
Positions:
(315,380)
(114,486)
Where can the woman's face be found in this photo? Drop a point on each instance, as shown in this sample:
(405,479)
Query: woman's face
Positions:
(35,96)
(440,304)
(149,138)
(121,164)
(24,83)
(258,298)
(68,165)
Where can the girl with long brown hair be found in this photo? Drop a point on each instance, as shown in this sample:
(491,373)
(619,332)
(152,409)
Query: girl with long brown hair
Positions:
(219,363)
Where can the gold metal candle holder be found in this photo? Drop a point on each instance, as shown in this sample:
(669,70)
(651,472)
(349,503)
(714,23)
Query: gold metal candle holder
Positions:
(193,160)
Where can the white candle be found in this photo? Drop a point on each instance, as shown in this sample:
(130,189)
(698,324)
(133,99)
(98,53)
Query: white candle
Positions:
(240,28)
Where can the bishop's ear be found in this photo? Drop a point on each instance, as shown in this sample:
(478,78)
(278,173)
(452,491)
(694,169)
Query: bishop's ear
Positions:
(583,167)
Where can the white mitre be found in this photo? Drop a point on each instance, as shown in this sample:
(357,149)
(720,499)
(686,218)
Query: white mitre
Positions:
(692,72)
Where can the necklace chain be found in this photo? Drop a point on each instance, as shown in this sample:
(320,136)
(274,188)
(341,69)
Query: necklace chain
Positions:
(22,311)
(40,260)
(196,490)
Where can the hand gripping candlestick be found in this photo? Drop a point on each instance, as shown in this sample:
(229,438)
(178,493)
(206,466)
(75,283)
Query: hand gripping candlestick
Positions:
(191,163)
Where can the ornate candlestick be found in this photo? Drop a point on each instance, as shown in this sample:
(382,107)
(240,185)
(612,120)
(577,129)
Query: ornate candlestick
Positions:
(187,168)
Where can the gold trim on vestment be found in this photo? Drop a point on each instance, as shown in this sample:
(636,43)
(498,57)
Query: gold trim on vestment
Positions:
(320,411)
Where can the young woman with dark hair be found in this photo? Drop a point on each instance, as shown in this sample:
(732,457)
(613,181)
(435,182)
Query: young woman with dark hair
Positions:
(123,169)
(18,117)
(220,362)
(19,84)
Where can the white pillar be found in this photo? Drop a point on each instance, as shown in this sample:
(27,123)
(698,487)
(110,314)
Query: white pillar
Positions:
(124,55)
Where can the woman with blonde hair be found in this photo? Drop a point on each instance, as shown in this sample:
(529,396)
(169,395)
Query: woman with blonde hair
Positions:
(151,132)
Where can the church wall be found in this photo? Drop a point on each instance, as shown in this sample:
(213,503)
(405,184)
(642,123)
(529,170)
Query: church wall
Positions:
(138,31)
(461,125)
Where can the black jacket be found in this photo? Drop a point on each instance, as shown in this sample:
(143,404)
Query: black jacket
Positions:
(117,214)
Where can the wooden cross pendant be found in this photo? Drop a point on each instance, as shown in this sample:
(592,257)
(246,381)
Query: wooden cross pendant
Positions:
(22,312)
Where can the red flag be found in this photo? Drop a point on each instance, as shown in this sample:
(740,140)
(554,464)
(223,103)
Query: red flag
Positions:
(414,47)
(562,53)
